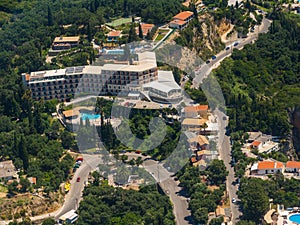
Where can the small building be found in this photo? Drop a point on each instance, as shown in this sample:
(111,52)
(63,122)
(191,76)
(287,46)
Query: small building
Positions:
(146,28)
(7,170)
(32,180)
(196,111)
(181,20)
(198,142)
(69,217)
(71,114)
(114,36)
(207,155)
(193,124)
(267,167)
(63,43)
(292,167)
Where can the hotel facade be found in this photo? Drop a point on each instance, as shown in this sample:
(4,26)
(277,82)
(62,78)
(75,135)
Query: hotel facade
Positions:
(109,79)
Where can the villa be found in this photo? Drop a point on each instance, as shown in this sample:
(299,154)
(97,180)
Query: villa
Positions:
(267,167)
(181,20)
(114,36)
(63,43)
(196,111)
(292,167)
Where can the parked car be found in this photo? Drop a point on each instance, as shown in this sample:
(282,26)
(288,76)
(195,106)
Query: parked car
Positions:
(78,179)
(236,43)
(208,61)
(227,48)
(233,200)
(213,57)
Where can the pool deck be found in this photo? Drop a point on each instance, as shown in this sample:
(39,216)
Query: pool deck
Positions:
(282,221)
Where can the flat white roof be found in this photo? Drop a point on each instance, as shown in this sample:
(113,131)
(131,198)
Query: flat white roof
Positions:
(164,83)
(69,215)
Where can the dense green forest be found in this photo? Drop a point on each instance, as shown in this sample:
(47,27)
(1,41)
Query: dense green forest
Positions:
(261,83)
(108,205)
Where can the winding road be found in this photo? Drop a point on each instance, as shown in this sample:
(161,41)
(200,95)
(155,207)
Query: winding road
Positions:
(161,175)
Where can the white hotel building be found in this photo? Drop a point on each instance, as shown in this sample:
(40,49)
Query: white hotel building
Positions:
(142,76)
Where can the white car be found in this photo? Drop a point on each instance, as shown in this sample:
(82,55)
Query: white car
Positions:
(233,200)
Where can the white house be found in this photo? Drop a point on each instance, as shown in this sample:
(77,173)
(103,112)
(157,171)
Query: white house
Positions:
(267,167)
(292,167)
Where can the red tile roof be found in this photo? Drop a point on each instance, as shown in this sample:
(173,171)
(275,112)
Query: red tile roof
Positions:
(179,22)
(196,108)
(183,15)
(193,159)
(146,27)
(293,164)
(114,33)
(269,165)
(256,143)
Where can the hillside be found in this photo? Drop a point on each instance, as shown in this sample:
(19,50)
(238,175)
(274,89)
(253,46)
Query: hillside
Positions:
(261,83)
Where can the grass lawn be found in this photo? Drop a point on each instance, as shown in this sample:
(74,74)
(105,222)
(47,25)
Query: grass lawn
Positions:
(160,36)
(119,22)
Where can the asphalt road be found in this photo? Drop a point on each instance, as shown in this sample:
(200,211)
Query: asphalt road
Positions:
(171,187)
(205,69)
(73,198)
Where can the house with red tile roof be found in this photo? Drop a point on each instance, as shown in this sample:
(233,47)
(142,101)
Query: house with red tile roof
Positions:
(113,36)
(181,20)
(267,167)
(146,28)
(196,111)
(292,166)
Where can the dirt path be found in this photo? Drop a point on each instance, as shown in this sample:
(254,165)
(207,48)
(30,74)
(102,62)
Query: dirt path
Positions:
(224,36)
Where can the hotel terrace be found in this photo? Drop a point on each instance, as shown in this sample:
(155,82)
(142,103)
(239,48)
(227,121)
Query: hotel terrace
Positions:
(109,79)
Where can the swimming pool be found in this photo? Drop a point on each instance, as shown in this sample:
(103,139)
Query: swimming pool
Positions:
(295,218)
(89,116)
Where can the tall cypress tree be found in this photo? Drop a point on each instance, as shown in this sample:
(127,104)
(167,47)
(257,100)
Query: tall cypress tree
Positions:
(23,153)
(140,31)
(50,17)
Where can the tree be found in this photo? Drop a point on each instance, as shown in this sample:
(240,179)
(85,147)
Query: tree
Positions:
(245,222)
(12,187)
(49,221)
(140,31)
(217,172)
(216,221)
(67,139)
(23,153)
(50,17)
(201,216)
(132,34)
(25,184)
(254,199)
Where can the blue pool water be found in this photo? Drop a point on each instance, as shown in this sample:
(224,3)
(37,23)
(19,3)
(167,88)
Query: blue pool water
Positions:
(89,116)
(295,218)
